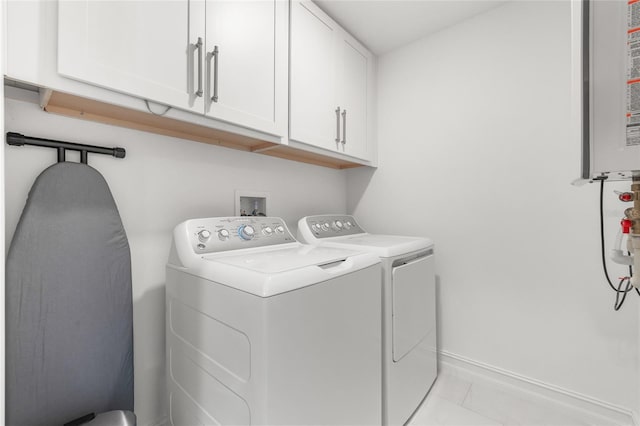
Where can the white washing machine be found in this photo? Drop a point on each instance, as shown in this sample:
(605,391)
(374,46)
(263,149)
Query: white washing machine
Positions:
(264,330)
(409,353)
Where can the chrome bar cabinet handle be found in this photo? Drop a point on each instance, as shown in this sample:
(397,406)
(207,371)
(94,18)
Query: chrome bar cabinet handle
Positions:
(215,54)
(338,125)
(344,127)
(198,46)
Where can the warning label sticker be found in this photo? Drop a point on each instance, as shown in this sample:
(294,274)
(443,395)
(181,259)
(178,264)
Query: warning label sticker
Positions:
(633,134)
(633,73)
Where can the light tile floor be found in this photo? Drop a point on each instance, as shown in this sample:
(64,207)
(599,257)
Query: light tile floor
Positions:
(458,402)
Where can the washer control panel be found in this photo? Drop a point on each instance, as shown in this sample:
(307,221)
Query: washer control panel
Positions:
(325,226)
(216,234)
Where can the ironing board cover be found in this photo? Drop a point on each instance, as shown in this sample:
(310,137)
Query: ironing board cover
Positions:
(68,302)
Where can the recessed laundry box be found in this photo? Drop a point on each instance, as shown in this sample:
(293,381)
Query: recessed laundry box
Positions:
(264,330)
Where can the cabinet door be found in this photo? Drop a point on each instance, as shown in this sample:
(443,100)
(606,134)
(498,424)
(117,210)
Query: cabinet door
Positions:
(248,71)
(136,47)
(354,97)
(312,82)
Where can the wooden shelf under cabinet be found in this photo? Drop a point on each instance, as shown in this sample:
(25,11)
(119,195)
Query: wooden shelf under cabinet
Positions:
(88,109)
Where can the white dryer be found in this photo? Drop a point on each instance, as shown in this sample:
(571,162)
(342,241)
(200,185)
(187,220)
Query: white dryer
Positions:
(409,353)
(264,330)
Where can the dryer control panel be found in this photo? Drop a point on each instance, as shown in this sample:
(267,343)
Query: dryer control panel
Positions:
(325,226)
(217,234)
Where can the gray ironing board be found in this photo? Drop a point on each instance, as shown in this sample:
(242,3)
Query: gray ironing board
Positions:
(69,310)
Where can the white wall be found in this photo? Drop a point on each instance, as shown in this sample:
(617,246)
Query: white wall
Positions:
(475,152)
(160,183)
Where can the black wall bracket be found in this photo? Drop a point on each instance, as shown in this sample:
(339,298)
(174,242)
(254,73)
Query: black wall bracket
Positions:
(17,139)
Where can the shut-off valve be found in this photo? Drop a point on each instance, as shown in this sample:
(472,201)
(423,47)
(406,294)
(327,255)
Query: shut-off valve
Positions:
(629,225)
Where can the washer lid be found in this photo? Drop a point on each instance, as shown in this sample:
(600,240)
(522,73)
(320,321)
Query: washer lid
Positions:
(380,245)
(270,271)
(285,259)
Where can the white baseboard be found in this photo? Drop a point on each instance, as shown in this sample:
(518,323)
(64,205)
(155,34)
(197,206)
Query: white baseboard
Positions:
(464,367)
(473,370)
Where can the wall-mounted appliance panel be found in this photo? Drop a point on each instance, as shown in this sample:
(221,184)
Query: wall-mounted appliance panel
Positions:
(606,86)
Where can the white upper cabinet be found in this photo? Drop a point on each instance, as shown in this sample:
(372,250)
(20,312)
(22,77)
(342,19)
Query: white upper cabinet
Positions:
(136,47)
(312,80)
(330,85)
(246,73)
(353,98)
(182,53)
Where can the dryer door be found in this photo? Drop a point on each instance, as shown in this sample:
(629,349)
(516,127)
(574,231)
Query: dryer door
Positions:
(413,306)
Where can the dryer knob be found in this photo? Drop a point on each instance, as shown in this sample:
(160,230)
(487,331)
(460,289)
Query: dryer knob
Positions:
(246,232)
(337,225)
(325,226)
(267,231)
(204,235)
(223,235)
(280,229)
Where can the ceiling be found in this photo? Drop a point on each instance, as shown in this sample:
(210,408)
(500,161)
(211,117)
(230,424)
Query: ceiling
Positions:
(384,25)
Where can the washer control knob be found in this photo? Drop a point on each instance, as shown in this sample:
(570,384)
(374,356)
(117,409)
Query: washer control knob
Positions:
(280,229)
(268,231)
(325,226)
(337,225)
(315,227)
(223,235)
(348,224)
(204,235)
(246,232)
